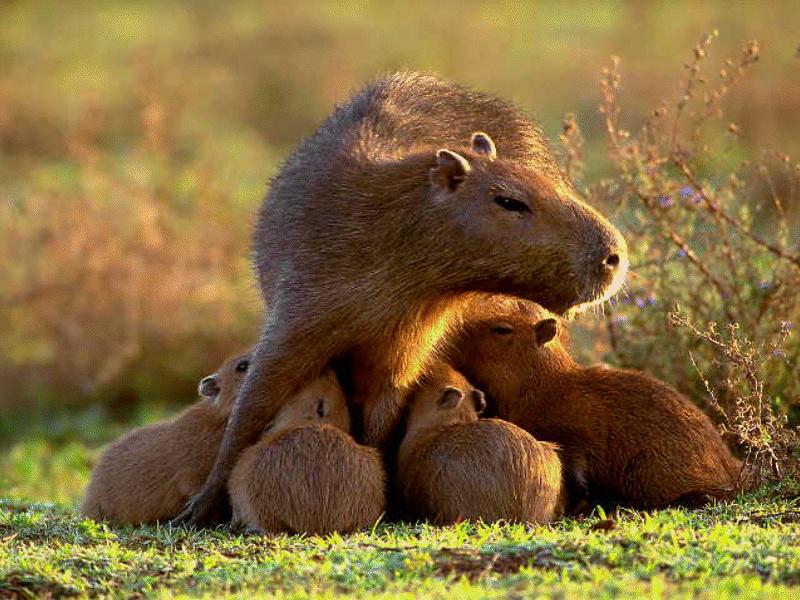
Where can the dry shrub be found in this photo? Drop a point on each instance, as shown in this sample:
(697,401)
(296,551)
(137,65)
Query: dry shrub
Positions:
(716,235)
(128,279)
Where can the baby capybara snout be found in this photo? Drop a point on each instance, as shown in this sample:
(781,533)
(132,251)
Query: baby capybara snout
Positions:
(454,466)
(222,387)
(307,474)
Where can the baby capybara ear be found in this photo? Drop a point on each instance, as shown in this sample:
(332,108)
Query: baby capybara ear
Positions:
(209,386)
(483,144)
(451,397)
(450,171)
(545,330)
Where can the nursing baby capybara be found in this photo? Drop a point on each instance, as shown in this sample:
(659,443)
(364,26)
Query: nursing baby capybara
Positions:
(306,474)
(625,436)
(149,473)
(452,466)
(376,230)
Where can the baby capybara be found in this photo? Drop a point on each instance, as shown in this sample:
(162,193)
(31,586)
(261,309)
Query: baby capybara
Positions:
(148,474)
(625,436)
(306,474)
(411,195)
(453,466)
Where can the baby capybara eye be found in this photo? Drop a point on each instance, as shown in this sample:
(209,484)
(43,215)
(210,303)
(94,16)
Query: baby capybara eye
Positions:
(479,400)
(502,329)
(321,409)
(242,365)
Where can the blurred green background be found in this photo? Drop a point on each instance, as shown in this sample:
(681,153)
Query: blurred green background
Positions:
(136,140)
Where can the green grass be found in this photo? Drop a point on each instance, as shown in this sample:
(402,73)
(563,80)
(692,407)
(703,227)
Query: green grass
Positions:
(722,551)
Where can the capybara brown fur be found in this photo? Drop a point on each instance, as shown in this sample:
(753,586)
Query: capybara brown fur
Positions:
(149,473)
(409,197)
(625,436)
(307,474)
(454,466)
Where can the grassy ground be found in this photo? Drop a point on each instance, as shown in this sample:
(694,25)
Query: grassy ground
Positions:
(736,550)
(749,548)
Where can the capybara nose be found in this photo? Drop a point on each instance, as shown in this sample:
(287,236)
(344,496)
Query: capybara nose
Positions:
(208,387)
(611,256)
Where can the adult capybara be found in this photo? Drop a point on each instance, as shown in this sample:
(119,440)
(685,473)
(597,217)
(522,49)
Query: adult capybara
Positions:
(149,473)
(453,466)
(376,230)
(307,474)
(625,436)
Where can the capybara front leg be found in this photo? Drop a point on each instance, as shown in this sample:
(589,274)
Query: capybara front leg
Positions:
(273,378)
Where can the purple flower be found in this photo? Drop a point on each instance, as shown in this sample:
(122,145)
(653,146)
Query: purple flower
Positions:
(697,198)
(764,285)
(787,325)
(681,253)
(640,302)
(779,353)
(665,201)
(686,191)
(651,299)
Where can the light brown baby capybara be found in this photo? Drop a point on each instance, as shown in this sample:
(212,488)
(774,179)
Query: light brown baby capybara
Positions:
(307,474)
(453,466)
(149,473)
(625,436)
(410,196)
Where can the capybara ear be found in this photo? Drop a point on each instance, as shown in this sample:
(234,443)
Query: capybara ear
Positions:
(483,144)
(450,398)
(479,400)
(451,169)
(545,330)
(208,386)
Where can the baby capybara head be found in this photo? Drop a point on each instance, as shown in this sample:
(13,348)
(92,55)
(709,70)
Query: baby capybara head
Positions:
(443,397)
(222,387)
(322,402)
(507,345)
(529,236)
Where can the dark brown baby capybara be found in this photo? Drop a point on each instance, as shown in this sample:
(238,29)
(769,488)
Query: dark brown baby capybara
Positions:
(625,436)
(453,466)
(376,230)
(148,474)
(307,475)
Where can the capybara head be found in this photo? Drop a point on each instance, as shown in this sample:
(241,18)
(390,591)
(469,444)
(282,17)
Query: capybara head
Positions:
(222,387)
(322,402)
(444,397)
(529,236)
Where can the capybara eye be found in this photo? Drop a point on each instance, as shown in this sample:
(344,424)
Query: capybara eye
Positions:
(511,204)
(242,365)
(502,329)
